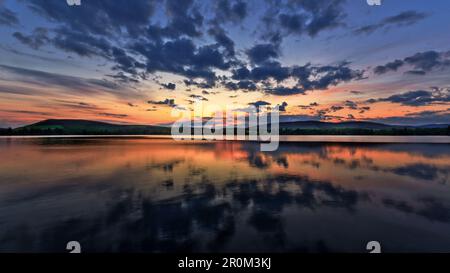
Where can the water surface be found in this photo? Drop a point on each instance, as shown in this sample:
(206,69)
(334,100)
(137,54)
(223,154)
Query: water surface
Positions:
(158,195)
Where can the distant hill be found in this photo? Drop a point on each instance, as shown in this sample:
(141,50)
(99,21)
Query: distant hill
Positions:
(434,126)
(359,128)
(340,125)
(87,127)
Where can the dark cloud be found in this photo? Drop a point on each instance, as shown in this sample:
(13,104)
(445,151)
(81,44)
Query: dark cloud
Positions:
(111,115)
(363,109)
(421,62)
(92,31)
(308,77)
(7,16)
(80,43)
(64,82)
(426,61)
(245,85)
(284,91)
(308,17)
(38,38)
(405,18)
(184,19)
(258,104)
(101,17)
(351,105)
(182,57)
(88,33)
(170,86)
(230,11)
(293,23)
(392,66)
(222,39)
(77,105)
(282,106)
(261,53)
(336,108)
(28,112)
(200,84)
(169,102)
(418,98)
(312,105)
(269,70)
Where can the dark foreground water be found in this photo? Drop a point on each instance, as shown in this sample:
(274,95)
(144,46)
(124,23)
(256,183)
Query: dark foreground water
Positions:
(158,195)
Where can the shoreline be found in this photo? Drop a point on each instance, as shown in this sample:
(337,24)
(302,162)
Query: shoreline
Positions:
(282,138)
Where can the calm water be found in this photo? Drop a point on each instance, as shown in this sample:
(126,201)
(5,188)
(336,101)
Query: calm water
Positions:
(158,195)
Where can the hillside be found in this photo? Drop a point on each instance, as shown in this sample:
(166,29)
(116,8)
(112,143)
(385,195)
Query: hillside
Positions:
(87,127)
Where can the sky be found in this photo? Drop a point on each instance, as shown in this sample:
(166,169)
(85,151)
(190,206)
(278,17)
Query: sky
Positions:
(133,62)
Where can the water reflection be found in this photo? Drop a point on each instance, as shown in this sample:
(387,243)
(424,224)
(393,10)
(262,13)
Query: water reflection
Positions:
(158,195)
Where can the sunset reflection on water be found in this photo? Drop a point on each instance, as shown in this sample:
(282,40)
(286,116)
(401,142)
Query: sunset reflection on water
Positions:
(160,195)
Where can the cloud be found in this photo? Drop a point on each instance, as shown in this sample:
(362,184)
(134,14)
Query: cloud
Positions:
(230,11)
(147,47)
(169,102)
(261,53)
(405,18)
(421,63)
(170,86)
(282,106)
(284,91)
(182,57)
(293,23)
(198,97)
(391,66)
(77,105)
(310,106)
(46,79)
(89,32)
(351,104)
(222,39)
(100,17)
(185,19)
(111,115)
(7,16)
(300,17)
(259,103)
(418,97)
(418,118)
(336,108)
(28,112)
(37,39)
(307,77)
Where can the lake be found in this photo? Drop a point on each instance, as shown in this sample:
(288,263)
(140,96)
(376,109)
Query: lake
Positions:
(143,194)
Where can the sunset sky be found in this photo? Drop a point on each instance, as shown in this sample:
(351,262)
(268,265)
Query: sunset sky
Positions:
(132,62)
